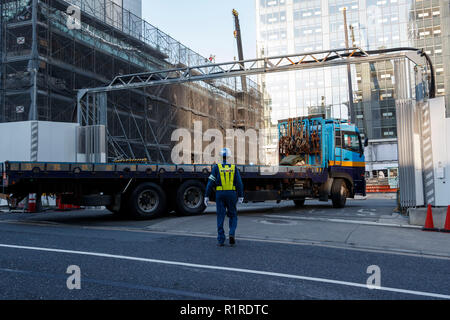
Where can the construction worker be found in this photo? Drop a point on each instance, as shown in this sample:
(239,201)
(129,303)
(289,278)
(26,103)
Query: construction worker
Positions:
(229,190)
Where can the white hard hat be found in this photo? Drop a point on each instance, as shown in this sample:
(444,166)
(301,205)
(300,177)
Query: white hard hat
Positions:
(225,152)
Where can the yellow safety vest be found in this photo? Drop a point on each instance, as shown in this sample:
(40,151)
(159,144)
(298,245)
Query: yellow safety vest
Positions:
(227,177)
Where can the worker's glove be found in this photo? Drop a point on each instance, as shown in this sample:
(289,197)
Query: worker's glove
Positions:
(241,200)
(206,201)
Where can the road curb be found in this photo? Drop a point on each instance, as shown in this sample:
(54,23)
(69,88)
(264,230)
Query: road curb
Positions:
(368,223)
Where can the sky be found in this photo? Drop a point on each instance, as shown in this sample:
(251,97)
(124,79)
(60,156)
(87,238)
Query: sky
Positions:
(205,26)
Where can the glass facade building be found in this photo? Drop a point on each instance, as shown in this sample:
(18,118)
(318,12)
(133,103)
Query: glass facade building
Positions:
(299,26)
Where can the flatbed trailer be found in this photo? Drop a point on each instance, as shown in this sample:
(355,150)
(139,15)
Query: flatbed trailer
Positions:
(146,191)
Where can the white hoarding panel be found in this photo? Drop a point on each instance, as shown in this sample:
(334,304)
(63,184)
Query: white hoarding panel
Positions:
(15,141)
(440,131)
(57,142)
(38,141)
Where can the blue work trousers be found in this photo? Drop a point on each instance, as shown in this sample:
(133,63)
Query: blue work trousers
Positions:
(226,206)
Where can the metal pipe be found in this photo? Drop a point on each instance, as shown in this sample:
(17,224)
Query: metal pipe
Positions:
(34,63)
(2,64)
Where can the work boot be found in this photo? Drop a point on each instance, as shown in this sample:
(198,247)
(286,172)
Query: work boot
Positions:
(220,244)
(232,241)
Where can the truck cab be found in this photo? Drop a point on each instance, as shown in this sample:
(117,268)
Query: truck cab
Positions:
(346,154)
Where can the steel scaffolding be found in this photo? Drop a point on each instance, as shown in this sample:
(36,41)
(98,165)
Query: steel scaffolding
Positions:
(45,62)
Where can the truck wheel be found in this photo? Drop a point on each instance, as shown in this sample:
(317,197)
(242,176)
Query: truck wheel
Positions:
(189,199)
(299,203)
(339,193)
(147,201)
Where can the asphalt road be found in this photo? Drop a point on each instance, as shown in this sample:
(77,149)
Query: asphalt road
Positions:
(136,263)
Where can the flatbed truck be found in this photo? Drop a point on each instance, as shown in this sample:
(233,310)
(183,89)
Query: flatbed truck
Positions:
(331,168)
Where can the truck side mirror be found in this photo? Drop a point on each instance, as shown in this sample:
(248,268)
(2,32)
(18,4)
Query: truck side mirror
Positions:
(366,142)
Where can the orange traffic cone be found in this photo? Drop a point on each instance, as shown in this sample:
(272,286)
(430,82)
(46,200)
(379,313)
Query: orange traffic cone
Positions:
(60,206)
(429,225)
(32,203)
(447,222)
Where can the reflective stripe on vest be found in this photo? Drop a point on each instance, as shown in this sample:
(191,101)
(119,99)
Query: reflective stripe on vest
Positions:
(227,177)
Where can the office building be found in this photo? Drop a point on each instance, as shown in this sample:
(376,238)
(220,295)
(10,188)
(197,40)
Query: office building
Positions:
(300,26)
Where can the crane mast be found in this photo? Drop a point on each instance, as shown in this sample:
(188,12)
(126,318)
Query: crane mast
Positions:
(238,36)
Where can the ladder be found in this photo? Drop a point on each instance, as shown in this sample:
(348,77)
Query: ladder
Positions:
(338,133)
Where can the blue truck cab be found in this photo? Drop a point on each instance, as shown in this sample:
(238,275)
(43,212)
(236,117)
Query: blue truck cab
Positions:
(346,153)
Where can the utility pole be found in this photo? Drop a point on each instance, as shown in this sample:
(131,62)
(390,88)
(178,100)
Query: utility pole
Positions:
(349,73)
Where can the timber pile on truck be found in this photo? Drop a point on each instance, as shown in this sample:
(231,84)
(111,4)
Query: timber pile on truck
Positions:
(300,140)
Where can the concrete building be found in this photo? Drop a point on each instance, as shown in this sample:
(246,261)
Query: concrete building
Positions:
(47,55)
(298,26)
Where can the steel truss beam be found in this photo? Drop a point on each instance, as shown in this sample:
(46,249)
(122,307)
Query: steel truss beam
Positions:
(210,72)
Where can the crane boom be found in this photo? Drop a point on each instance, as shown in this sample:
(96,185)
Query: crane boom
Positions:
(238,36)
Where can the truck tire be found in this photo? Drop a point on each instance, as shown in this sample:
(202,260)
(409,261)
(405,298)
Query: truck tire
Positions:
(147,201)
(299,203)
(339,193)
(189,198)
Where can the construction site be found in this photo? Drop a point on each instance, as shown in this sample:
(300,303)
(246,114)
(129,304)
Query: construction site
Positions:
(107,87)
(47,56)
(132,167)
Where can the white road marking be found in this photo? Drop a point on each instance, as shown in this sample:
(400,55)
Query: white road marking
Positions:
(296,242)
(367,211)
(239,270)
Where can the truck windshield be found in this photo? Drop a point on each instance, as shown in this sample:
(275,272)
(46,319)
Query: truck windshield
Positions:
(351,141)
